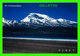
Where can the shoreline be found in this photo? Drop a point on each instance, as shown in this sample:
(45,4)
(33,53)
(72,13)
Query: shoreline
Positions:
(46,39)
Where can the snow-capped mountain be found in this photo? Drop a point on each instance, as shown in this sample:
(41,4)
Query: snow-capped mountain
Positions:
(39,23)
(36,20)
(10,23)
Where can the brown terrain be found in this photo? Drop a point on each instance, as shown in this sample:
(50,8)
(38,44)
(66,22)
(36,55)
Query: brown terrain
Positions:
(38,46)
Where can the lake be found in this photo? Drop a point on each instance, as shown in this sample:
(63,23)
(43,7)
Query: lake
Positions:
(48,36)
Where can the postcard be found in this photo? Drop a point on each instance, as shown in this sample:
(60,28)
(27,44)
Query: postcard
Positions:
(39,27)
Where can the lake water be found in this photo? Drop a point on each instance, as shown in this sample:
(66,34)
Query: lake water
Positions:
(47,36)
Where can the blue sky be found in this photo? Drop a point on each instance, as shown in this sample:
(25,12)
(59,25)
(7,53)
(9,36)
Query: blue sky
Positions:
(63,10)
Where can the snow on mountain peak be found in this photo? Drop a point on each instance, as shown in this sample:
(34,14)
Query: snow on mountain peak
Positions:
(35,16)
(4,19)
(60,19)
(38,15)
(40,20)
(9,22)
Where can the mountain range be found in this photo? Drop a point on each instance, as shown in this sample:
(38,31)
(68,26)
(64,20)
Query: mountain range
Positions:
(39,23)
